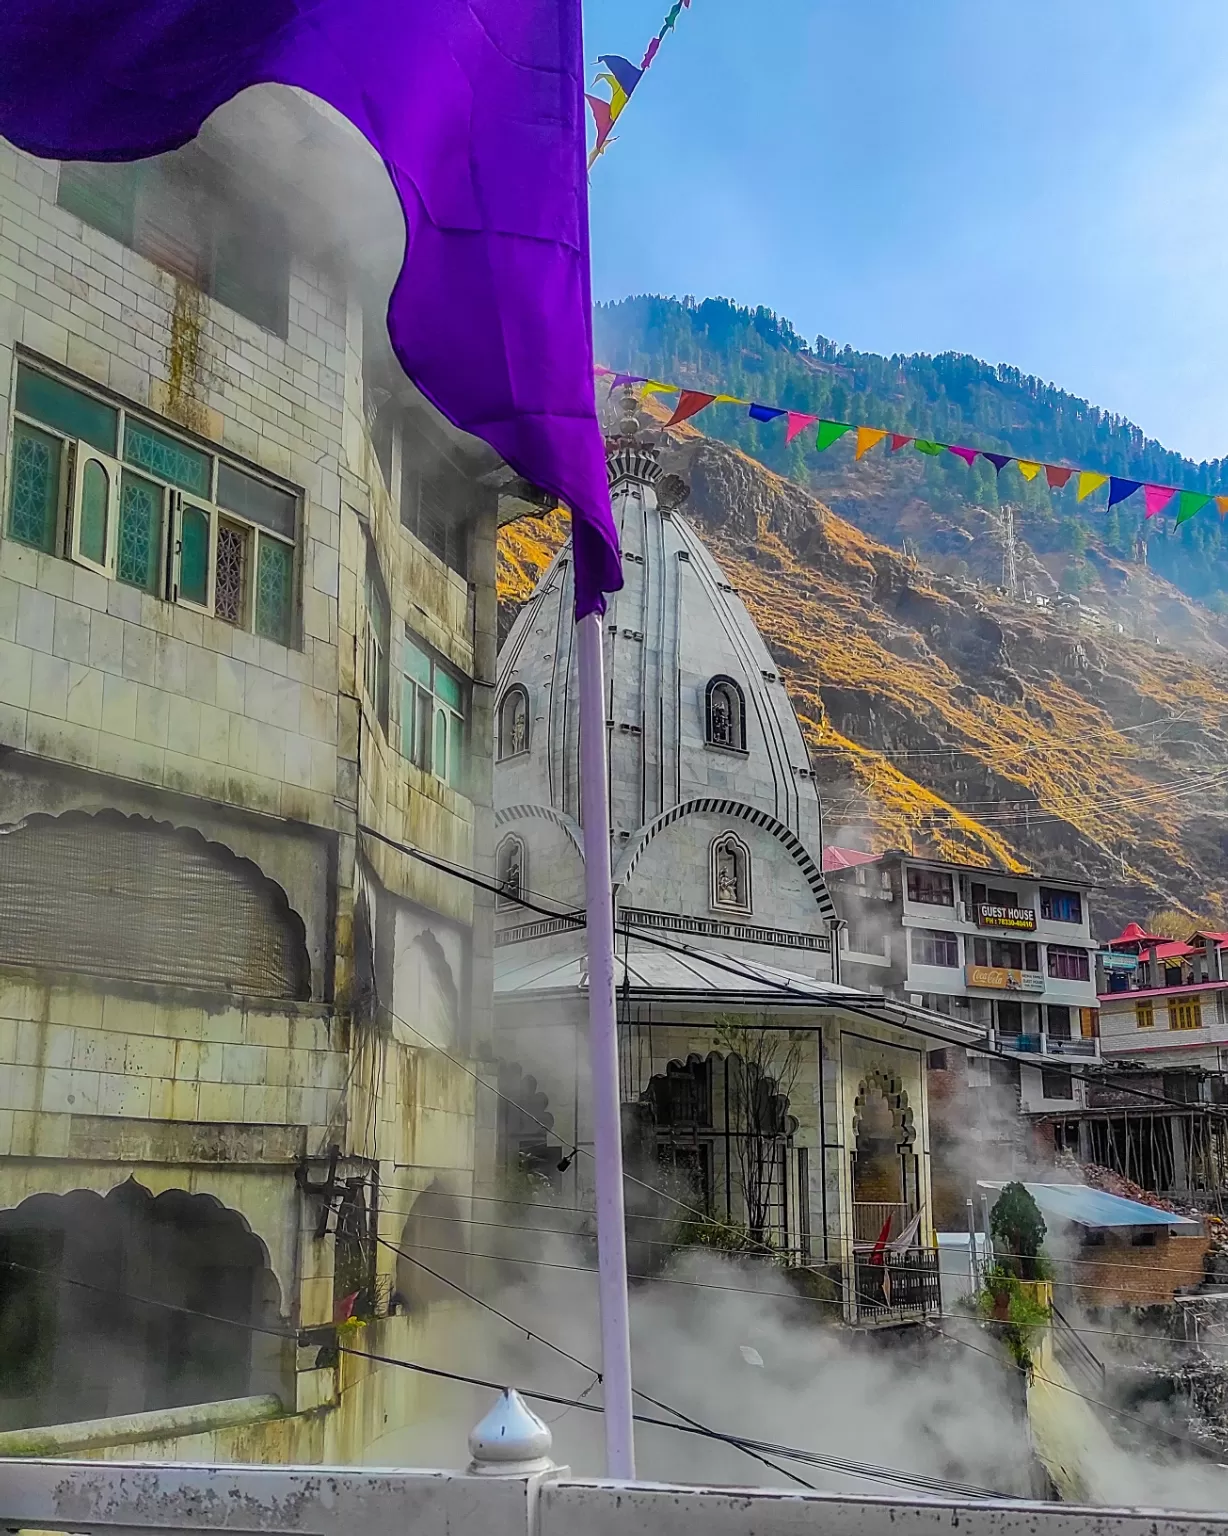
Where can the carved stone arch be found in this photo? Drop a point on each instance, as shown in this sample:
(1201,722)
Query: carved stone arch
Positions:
(527,1141)
(136,899)
(435,1236)
(428,960)
(566,824)
(892,1089)
(513,722)
(720,806)
(129,1301)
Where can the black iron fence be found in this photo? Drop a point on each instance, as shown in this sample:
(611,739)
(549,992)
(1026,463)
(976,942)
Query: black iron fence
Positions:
(903,1285)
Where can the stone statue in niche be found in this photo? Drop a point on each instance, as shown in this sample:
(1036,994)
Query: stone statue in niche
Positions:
(518,733)
(730,875)
(722,719)
(513,860)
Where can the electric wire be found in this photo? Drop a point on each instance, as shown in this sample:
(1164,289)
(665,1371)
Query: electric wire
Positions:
(760,1450)
(649,1242)
(790,1453)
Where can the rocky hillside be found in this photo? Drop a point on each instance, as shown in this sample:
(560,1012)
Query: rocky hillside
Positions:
(942,716)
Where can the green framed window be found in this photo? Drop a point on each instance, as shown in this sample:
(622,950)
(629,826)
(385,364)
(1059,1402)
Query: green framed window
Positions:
(99,484)
(274,588)
(140,532)
(432,714)
(34,486)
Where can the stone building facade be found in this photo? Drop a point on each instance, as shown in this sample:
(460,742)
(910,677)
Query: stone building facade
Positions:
(247,638)
(759,1095)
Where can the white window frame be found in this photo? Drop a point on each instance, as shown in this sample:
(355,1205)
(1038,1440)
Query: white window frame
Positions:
(180,499)
(81,454)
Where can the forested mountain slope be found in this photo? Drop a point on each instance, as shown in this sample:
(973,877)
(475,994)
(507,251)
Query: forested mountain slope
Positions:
(944,511)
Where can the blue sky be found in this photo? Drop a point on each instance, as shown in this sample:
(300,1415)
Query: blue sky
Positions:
(1039,182)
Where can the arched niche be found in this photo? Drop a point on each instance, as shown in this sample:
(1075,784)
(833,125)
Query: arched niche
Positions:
(427,997)
(432,1256)
(725,714)
(129,1302)
(729,874)
(511,872)
(133,899)
(513,722)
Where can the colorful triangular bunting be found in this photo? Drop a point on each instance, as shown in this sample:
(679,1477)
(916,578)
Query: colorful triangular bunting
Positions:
(623,70)
(898,441)
(1157,498)
(798,422)
(998,460)
(1188,504)
(924,445)
(1057,475)
(867,437)
(1120,489)
(759,412)
(690,403)
(967,454)
(1028,468)
(830,432)
(1089,481)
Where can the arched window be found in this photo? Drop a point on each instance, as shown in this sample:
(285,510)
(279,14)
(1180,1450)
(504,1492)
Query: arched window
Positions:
(731,874)
(511,871)
(725,715)
(514,722)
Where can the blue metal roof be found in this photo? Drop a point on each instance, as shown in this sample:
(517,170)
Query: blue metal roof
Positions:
(1094,1208)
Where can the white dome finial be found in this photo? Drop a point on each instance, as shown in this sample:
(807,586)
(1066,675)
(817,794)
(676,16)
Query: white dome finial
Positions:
(511,1440)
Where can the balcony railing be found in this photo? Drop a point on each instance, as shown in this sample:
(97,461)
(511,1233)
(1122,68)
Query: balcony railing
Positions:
(903,1287)
(1045,1045)
(871,1217)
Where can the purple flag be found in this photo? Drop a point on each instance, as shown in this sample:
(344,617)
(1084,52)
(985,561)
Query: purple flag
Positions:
(476,108)
(998,460)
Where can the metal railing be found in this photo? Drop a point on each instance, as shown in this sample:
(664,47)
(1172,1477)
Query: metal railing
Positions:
(870,1217)
(904,1285)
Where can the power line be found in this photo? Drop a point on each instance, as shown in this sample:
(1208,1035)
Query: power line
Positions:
(759,1450)
(566,1354)
(863,1004)
(673,1246)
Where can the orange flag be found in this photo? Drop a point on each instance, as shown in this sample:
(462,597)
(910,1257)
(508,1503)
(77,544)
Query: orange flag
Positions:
(1221,503)
(867,437)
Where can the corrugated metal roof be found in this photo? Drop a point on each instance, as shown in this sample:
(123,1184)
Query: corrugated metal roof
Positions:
(846,858)
(710,978)
(1095,1208)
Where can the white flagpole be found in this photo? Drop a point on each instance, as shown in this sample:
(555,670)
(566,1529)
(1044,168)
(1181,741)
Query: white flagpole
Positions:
(603,1052)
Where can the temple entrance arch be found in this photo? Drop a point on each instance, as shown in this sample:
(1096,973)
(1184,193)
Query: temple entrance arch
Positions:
(720,1134)
(126,1302)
